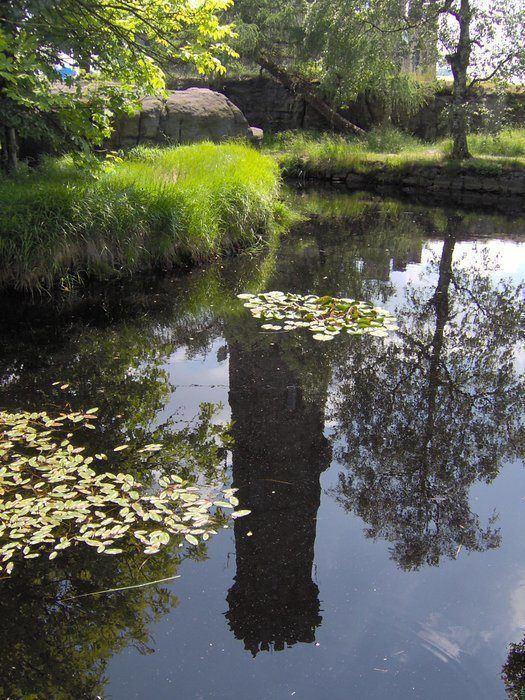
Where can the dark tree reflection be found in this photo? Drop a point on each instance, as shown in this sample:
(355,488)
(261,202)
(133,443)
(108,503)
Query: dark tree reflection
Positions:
(423,418)
(513,672)
(277,397)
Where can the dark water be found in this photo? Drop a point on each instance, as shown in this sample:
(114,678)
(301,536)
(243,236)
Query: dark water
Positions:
(385,553)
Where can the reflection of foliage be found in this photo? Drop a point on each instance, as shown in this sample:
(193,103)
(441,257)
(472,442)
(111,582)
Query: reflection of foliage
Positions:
(113,355)
(324,316)
(426,417)
(52,496)
(44,621)
(55,645)
(513,672)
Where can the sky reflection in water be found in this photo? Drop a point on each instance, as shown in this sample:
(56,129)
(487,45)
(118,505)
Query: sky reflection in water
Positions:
(383,556)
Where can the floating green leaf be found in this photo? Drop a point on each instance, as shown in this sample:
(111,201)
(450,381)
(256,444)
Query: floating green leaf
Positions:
(324,316)
(51,499)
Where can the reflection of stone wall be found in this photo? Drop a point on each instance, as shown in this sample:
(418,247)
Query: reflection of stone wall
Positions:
(503,190)
(278,455)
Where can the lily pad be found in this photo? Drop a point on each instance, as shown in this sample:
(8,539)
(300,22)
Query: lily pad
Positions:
(325,317)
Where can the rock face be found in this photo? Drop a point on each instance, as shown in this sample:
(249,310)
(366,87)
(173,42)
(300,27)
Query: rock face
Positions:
(268,105)
(186,116)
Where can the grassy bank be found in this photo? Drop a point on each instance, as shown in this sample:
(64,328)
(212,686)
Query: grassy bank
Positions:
(154,208)
(324,154)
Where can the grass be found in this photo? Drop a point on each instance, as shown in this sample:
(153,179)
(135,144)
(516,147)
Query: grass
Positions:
(153,208)
(327,154)
(509,143)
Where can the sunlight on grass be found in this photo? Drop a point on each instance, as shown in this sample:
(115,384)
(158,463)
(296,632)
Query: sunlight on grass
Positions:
(329,153)
(156,207)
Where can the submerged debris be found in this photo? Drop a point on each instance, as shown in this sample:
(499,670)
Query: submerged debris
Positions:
(324,316)
(51,498)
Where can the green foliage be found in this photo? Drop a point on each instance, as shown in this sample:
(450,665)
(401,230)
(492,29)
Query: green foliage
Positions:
(329,44)
(324,316)
(52,498)
(355,58)
(154,208)
(120,50)
(268,27)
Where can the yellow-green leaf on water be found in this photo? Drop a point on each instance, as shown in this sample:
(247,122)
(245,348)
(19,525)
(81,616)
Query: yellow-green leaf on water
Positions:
(240,513)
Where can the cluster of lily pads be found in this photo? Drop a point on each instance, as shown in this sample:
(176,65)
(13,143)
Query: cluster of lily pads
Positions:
(324,316)
(51,498)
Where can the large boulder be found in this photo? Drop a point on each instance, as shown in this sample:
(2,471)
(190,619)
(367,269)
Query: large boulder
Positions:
(185,116)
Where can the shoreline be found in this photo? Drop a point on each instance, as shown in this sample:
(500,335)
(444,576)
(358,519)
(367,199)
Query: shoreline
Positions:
(427,183)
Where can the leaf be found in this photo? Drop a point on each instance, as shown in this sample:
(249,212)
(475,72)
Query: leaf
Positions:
(151,448)
(120,448)
(240,513)
(322,336)
(223,504)
(191,539)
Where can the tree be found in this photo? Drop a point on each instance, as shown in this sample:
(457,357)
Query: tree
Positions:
(118,51)
(361,52)
(482,41)
(272,36)
(373,46)
(513,672)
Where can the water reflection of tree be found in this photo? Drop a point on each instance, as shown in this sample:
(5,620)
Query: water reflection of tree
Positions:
(425,418)
(513,672)
(350,246)
(56,632)
(51,645)
(277,396)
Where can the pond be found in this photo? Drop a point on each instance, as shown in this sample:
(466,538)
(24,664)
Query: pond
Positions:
(383,556)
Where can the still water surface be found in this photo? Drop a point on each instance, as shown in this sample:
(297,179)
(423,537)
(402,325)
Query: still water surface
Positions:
(384,556)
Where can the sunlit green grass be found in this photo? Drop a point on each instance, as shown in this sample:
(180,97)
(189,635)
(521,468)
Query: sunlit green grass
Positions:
(154,208)
(329,153)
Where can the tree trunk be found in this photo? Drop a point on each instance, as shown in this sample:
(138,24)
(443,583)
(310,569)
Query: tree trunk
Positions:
(459,62)
(440,302)
(9,150)
(308,93)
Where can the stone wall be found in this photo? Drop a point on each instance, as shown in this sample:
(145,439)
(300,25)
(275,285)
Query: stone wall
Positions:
(503,190)
(268,105)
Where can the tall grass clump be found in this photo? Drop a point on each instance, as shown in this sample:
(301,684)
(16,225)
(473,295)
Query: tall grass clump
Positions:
(156,207)
(509,143)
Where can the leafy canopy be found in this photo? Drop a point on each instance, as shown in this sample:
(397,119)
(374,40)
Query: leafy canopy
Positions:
(115,52)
